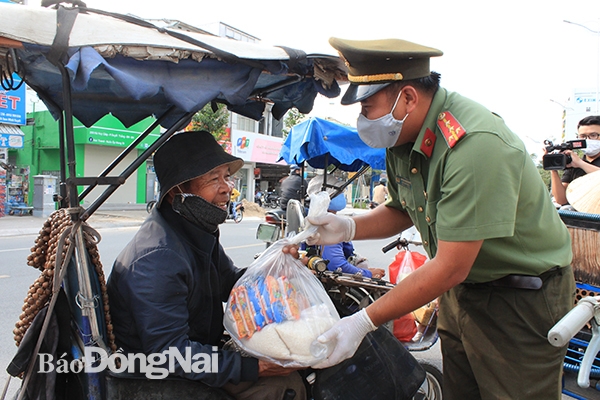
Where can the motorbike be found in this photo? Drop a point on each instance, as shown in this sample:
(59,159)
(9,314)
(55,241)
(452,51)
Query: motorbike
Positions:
(236,211)
(271,200)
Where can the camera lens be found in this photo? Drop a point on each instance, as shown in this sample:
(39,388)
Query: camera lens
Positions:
(554,161)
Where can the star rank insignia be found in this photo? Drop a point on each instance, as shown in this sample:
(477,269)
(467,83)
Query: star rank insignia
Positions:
(450,128)
(428,142)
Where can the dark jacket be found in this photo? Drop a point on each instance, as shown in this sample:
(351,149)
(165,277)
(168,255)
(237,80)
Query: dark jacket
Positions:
(167,288)
(291,188)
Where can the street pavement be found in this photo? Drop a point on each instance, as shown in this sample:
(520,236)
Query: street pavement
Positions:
(128,215)
(109,215)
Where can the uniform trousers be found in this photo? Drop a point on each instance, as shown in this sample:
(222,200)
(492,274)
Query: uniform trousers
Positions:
(494,339)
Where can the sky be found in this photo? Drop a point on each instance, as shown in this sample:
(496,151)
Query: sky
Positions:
(517,58)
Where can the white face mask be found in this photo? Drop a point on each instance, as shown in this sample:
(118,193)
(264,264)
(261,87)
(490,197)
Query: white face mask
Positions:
(592,147)
(382,132)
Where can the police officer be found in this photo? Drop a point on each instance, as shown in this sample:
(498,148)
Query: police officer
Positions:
(499,253)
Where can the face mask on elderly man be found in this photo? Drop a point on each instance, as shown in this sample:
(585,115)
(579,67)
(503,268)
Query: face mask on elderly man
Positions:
(382,132)
(199,211)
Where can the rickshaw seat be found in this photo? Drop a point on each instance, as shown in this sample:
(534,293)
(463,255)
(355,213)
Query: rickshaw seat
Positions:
(128,386)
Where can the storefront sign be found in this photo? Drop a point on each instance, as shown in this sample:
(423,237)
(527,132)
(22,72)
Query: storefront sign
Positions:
(11,137)
(11,141)
(110,132)
(255,147)
(12,104)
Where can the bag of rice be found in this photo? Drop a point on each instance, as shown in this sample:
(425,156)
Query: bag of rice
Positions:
(278,308)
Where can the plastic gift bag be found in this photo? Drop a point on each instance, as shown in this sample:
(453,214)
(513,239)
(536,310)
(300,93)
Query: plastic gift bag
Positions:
(278,308)
(405,262)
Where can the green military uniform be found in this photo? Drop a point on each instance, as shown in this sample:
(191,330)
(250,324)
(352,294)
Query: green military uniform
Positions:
(468,177)
(483,185)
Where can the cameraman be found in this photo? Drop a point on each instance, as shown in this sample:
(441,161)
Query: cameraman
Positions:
(588,129)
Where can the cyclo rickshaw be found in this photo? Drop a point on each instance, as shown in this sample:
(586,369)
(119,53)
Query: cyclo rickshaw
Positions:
(85,64)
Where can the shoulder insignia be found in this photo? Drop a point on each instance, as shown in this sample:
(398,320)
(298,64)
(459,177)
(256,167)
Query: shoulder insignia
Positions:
(428,142)
(450,127)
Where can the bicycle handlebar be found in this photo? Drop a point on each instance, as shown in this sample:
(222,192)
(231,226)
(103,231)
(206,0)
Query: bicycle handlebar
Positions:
(570,324)
(587,309)
(400,242)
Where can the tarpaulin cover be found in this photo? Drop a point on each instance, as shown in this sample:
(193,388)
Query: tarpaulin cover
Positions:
(133,69)
(320,143)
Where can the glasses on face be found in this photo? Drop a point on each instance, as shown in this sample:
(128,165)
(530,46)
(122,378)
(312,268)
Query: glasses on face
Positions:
(593,136)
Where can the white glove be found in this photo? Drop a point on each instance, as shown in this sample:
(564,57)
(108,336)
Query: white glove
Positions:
(331,229)
(345,337)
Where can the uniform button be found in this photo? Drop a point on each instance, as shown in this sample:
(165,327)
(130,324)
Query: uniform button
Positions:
(428,219)
(420,209)
(414,171)
(425,243)
(403,203)
(425,194)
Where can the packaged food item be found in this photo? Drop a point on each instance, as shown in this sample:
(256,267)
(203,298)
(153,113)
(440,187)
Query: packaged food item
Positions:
(278,308)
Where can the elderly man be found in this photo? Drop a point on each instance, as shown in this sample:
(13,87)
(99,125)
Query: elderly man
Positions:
(168,285)
(499,253)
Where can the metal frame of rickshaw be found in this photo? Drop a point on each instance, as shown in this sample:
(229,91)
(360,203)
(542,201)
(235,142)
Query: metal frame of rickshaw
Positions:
(68,196)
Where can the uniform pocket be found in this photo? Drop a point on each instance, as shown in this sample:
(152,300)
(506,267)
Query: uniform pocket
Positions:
(406,198)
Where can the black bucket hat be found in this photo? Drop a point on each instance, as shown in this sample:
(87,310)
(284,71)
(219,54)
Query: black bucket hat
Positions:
(188,155)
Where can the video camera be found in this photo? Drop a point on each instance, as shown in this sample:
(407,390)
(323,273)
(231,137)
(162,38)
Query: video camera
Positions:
(560,160)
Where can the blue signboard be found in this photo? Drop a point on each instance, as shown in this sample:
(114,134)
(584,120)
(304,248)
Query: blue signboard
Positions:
(11,141)
(12,104)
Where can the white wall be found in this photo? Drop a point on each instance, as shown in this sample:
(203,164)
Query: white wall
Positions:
(97,158)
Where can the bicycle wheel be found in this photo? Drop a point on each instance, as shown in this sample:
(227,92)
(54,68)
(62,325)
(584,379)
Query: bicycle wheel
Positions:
(238,216)
(349,302)
(431,389)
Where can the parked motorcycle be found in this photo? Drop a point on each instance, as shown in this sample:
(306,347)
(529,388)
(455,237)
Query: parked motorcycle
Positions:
(271,200)
(275,224)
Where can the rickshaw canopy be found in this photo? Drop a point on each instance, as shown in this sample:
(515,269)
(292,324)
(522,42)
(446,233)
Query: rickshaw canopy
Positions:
(321,143)
(134,68)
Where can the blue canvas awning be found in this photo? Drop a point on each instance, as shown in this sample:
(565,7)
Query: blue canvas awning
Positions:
(321,143)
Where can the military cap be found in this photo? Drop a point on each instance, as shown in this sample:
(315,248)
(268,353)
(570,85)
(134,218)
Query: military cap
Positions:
(374,64)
